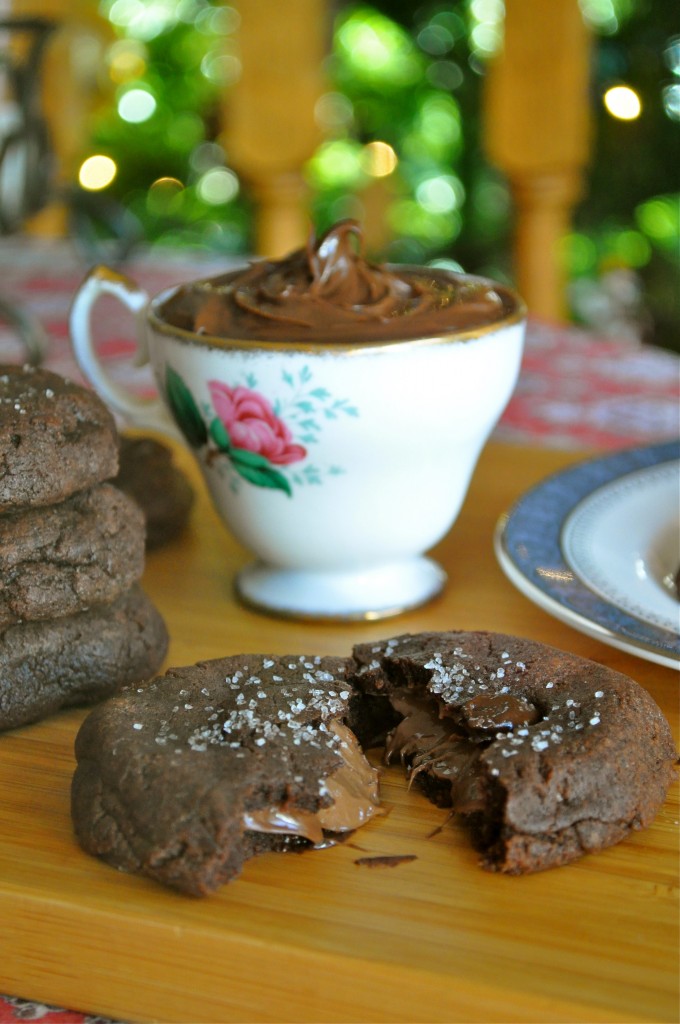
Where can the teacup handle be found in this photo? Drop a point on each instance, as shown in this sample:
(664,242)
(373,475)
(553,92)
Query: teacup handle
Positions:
(145,413)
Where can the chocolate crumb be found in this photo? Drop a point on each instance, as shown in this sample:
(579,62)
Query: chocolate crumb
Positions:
(440,828)
(385,861)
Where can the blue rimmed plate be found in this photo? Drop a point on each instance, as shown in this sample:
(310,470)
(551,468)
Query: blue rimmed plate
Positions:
(598,546)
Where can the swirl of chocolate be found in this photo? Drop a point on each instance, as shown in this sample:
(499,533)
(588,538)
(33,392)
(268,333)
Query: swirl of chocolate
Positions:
(331,272)
(329,291)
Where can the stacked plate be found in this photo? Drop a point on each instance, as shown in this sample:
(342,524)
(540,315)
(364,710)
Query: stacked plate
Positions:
(598,546)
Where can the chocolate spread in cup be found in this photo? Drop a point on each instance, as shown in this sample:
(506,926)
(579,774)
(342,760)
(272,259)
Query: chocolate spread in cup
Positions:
(328,291)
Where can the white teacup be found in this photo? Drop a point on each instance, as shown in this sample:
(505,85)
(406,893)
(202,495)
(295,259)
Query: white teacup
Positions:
(363,450)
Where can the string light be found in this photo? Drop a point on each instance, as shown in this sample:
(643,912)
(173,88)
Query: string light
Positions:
(97,172)
(136,106)
(164,196)
(378,159)
(623,103)
(440,194)
(671,101)
(126,60)
(218,185)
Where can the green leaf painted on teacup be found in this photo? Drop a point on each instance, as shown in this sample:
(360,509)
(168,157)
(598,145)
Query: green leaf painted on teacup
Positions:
(257,470)
(244,457)
(220,435)
(185,410)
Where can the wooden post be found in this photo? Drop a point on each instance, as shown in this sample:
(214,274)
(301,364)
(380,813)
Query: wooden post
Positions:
(538,133)
(269,126)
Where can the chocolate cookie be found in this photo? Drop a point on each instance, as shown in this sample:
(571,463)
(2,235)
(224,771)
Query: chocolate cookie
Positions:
(186,778)
(56,438)
(61,559)
(149,475)
(547,755)
(78,659)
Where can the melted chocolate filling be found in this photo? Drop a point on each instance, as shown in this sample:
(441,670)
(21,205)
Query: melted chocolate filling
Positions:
(445,744)
(352,788)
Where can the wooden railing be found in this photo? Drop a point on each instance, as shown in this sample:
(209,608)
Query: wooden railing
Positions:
(537,131)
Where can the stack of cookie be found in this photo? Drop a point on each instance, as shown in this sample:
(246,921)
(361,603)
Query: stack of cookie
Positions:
(74,624)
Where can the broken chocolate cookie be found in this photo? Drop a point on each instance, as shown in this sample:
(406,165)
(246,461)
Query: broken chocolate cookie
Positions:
(546,755)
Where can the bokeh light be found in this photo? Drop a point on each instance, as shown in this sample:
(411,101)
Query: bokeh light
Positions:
(486,32)
(123,12)
(336,164)
(628,248)
(165,197)
(334,113)
(127,59)
(600,15)
(659,219)
(578,253)
(410,218)
(136,106)
(379,159)
(96,172)
(445,74)
(206,156)
(378,49)
(221,68)
(623,103)
(435,39)
(221,20)
(441,193)
(217,186)
(145,19)
(670,95)
(672,55)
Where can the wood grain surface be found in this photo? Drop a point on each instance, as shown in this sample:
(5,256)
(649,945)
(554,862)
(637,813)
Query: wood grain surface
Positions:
(316,936)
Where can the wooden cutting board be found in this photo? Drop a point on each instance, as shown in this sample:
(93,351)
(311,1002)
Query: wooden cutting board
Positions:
(317,937)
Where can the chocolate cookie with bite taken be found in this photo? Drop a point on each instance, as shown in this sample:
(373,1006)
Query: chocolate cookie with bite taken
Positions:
(186,778)
(546,755)
(56,438)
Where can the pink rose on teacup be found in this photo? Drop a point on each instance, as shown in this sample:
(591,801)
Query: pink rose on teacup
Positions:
(252,424)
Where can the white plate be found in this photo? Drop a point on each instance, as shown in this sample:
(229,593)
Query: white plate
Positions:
(598,546)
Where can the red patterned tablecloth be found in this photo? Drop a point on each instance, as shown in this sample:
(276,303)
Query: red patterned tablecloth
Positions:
(575,390)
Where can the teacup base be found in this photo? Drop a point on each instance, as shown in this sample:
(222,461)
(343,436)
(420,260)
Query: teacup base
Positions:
(367,594)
